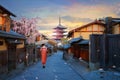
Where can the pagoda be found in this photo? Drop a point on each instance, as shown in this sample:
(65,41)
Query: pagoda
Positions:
(59,31)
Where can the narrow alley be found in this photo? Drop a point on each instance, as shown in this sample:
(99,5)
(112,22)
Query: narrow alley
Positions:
(56,69)
(60,40)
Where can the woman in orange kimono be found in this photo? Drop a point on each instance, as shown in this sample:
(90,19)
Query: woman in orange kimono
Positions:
(43,51)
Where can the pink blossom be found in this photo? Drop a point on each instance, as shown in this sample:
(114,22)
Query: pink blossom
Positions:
(27,27)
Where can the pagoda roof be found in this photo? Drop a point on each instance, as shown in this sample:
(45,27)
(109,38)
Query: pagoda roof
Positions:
(60,27)
(59,31)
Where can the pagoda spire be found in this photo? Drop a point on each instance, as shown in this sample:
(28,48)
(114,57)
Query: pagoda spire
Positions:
(59,20)
(59,31)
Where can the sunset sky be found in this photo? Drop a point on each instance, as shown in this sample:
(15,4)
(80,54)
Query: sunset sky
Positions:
(74,13)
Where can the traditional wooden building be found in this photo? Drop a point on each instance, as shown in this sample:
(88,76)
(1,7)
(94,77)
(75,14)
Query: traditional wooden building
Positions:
(12,44)
(95,27)
(74,48)
(112,25)
(83,50)
(116,29)
(104,48)
(80,49)
(95,52)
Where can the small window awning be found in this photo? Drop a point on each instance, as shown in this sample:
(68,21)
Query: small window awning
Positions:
(84,42)
(74,40)
(13,41)
(116,20)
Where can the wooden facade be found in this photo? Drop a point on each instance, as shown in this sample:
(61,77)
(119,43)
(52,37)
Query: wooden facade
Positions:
(5,20)
(96,27)
(88,53)
(116,29)
(12,51)
(104,51)
(12,44)
(79,50)
(84,50)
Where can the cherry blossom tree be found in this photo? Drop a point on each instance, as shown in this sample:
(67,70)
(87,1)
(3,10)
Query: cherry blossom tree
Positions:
(26,27)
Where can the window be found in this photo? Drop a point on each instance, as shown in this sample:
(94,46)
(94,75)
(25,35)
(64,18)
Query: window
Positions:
(0,20)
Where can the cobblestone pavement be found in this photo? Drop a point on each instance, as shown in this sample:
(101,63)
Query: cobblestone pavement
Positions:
(82,69)
(56,69)
(59,69)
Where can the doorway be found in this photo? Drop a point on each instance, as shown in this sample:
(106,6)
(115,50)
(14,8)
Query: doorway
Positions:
(11,57)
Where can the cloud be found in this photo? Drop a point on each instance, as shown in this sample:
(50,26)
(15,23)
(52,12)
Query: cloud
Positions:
(48,23)
(76,19)
(117,9)
(75,14)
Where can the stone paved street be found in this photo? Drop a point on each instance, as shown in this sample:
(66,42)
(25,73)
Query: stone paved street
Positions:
(79,39)
(56,69)
(59,69)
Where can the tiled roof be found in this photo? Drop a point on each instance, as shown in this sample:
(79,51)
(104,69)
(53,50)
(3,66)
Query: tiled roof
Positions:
(6,11)
(11,34)
(84,42)
(75,40)
(116,20)
(60,27)
(94,22)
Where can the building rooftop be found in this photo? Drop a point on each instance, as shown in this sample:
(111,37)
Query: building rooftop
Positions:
(75,40)
(3,10)
(11,34)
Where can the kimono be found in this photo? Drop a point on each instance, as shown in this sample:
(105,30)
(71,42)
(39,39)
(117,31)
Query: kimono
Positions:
(43,51)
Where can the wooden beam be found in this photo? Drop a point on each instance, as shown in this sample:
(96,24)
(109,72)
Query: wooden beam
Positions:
(90,31)
(119,28)
(98,28)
